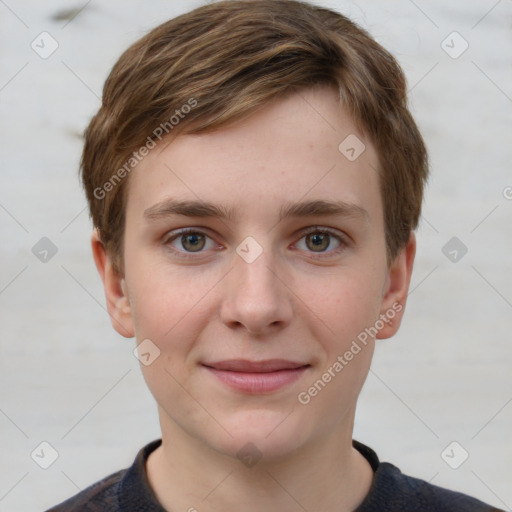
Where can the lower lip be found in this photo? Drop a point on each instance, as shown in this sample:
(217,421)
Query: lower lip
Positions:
(258,383)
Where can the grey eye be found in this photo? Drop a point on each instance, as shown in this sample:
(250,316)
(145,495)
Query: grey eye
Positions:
(318,242)
(193,242)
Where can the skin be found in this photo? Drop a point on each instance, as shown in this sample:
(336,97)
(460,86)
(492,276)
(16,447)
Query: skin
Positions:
(295,301)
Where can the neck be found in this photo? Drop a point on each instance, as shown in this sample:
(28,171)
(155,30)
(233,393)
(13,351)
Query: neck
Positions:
(326,474)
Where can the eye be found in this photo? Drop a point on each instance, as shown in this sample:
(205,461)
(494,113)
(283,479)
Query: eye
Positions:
(189,241)
(322,240)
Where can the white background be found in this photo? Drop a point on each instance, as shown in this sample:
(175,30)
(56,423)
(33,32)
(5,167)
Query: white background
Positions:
(68,379)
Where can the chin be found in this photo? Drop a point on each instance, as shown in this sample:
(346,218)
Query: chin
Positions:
(264,434)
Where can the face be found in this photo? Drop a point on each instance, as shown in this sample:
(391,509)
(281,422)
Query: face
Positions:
(254,260)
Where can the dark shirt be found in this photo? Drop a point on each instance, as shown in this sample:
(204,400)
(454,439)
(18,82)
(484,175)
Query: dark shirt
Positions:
(391,491)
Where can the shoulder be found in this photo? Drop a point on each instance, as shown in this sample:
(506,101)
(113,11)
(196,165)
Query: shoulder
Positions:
(127,489)
(394,491)
(100,496)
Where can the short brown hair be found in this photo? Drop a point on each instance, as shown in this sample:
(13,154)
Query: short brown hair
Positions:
(219,62)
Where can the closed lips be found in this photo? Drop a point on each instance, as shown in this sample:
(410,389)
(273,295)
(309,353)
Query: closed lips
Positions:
(244,366)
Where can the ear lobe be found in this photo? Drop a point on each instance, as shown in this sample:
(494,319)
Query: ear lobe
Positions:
(116,293)
(396,289)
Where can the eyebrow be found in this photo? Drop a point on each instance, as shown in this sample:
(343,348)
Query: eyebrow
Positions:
(204,209)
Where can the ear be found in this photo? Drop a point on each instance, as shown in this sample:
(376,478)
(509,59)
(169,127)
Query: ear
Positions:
(118,303)
(396,288)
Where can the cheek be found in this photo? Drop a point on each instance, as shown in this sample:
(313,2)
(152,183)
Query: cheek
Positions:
(170,307)
(154,293)
(343,304)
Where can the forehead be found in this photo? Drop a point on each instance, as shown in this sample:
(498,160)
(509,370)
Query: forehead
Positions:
(303,146)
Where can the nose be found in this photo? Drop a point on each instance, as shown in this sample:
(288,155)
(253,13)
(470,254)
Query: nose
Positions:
(256,297)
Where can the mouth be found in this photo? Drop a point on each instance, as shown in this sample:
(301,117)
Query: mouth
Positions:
(257,377)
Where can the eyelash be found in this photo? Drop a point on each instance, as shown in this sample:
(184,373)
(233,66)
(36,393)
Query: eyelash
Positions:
(342,239)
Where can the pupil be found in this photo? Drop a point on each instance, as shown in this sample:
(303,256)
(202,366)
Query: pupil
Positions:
(193,242)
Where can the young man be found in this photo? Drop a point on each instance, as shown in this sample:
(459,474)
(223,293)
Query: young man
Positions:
(255,179)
